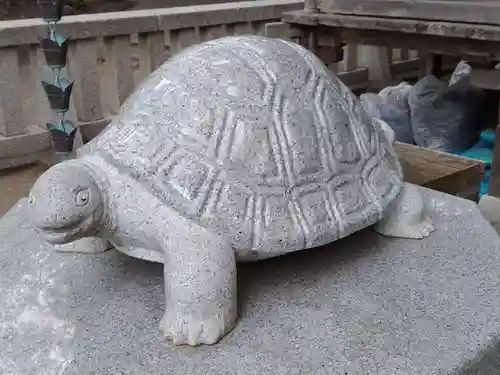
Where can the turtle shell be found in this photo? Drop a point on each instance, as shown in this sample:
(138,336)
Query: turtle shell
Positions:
(256,139)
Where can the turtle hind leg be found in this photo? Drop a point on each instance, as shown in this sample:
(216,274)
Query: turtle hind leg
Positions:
(200,287)
(406,218)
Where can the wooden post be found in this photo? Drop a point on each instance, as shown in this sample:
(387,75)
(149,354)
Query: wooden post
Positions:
(309,39)
(376,59)
(310,6)
(494,183)
(437,65)
(351,57)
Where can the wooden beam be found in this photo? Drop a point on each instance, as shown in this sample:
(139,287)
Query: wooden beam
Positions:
(475,12)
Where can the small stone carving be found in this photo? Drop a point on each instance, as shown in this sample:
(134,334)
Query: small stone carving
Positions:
(236,149)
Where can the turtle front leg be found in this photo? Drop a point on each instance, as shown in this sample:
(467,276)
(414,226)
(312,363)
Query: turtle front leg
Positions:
(406,218)
(86,245)
(200,287)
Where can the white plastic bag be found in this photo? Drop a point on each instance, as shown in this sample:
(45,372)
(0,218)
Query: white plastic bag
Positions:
(462,71)
(397,95)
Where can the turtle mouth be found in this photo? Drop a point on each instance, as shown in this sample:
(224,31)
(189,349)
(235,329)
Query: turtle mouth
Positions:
(60,235)
(67,233)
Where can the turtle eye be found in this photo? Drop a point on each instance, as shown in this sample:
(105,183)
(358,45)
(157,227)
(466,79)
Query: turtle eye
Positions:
(82,198)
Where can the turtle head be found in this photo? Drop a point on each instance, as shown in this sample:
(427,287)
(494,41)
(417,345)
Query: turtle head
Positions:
(387,130)
(66,203)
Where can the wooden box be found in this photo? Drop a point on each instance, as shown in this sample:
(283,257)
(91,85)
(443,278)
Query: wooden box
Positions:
(448,173)
(470,11)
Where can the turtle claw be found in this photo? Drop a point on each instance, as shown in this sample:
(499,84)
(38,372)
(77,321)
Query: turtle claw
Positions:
(427,227)
(407,218)
(183,329)
(417,231)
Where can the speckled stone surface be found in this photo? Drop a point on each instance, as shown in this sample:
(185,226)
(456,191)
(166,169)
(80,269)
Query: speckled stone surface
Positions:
(365,304)
(248,137)
(240,148)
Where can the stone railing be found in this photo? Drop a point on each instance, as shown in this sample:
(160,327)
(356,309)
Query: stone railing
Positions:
(110,53)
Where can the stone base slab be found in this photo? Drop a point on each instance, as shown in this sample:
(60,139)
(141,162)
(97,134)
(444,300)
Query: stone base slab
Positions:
(367,304)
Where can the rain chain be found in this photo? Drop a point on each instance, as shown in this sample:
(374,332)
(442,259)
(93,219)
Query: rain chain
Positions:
(55,50)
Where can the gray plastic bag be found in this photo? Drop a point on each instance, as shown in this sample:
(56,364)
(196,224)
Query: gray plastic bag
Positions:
(396,118)
(446,118)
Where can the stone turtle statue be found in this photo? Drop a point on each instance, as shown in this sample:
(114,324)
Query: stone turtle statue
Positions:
(236,149)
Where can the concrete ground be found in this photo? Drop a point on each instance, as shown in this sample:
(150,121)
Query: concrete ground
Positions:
(16,183)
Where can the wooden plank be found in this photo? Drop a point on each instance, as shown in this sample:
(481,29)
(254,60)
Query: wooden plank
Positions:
(402,70)
(279,30)
(409,26)
(432,44)
(431,164)
(300,17)
(262,27)
(425,155)
(440,171)
(485,79)
(471,193)
(459,183)
(477,12)
(454,39)
(355,79)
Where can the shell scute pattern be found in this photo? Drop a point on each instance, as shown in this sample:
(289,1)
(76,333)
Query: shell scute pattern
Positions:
(316,168)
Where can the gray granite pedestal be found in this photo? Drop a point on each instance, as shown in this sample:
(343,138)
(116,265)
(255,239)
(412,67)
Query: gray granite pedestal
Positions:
(363,305)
